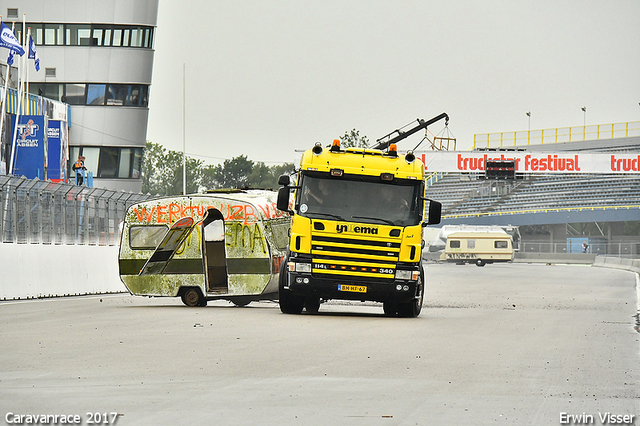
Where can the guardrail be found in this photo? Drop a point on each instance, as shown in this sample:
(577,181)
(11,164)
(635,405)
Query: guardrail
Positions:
(43,212)
(557,135)
(627,249)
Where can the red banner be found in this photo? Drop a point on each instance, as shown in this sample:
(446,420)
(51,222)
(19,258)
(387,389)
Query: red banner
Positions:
(532,162)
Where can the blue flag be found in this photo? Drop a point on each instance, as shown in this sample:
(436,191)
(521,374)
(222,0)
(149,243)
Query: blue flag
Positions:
(10,58)
(33,53)
(9,40)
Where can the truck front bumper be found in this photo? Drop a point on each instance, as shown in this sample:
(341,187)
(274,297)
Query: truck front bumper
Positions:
(338,287)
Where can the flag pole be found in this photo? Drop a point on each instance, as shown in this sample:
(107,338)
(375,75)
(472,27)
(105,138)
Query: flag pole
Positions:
(15,129)
(184,152)
(25,63)
(26,89)
(3,102)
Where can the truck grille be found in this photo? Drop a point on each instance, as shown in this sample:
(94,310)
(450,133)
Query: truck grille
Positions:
(355,258)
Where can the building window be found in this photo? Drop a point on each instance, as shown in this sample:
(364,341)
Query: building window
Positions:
(135,95)
(110,162)
(37,32)
(53,35)
(116,94)
(74,94)
(95,94)
(137,37)
(107,37)
(48,34)
(78,35)
(52,91)
(130,163)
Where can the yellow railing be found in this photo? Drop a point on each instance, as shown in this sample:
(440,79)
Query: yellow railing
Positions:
(555,210)
(558,135)
(433,178)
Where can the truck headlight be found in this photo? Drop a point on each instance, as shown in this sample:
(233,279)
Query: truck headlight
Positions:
(403,275)
(299,267)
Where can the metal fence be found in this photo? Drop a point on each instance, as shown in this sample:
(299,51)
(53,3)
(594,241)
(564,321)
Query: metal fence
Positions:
(557,135)
(43,212)
(629,249)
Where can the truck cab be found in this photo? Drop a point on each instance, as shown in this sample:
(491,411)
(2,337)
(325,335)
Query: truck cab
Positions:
(356,229)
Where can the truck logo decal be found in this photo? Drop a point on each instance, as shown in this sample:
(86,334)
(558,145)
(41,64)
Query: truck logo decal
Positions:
(372,230)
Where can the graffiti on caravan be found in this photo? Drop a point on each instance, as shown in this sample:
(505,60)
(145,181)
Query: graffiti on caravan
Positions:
(171,212)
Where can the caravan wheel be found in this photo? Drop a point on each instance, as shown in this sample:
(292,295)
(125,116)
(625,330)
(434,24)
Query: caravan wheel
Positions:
(193,297)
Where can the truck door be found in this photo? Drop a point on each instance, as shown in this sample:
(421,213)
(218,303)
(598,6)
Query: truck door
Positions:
(215,258)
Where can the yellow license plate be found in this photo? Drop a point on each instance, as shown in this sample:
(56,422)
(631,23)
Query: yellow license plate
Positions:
(352,288)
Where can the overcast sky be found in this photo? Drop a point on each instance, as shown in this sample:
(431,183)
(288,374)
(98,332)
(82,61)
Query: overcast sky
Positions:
(264,78)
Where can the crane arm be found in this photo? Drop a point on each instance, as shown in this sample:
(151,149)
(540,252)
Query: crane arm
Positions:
(400,134)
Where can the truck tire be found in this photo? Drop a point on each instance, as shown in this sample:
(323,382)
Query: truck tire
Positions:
(192,297)
(390,308)
(289,302)
(413,308)
(480,263)
(312,305)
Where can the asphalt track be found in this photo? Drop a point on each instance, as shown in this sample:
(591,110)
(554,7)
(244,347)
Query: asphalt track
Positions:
(512,344)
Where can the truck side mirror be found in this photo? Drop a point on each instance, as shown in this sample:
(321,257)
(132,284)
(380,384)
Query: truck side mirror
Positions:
(283,199)
(284,180)
(435,212)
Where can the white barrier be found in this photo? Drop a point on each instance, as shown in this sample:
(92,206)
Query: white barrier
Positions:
(618,263)
(41,270)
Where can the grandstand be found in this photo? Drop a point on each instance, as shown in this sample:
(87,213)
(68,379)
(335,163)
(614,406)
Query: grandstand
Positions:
(552,209)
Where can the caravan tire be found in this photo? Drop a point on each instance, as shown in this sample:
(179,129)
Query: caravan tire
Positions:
(193,297)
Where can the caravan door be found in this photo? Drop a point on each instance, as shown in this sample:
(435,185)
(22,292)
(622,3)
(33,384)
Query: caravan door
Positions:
(214,253)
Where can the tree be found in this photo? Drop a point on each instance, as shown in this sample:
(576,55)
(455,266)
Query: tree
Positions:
(266,177)
(353,139)
(162,171)
(232,173)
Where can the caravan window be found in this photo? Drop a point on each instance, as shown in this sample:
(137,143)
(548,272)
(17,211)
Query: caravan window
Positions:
(454,244)
(501,244)
(471,244)
(146,237)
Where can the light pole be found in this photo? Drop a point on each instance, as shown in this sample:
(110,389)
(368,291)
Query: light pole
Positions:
(584,110)
(529,115)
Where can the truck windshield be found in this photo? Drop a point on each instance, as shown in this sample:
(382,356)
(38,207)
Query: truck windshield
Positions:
(360,201)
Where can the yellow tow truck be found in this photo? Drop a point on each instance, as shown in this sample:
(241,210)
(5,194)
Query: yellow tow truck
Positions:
(356,227)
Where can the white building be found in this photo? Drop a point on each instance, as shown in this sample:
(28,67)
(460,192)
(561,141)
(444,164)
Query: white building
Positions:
(97,56)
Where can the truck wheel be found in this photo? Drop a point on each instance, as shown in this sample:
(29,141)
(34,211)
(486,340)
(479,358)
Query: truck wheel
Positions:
(289,302)
(312,305)
(412,309)
(480,262)
(193,297)
(390,308)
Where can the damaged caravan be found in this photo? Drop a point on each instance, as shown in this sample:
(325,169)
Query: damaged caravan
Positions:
(219,245)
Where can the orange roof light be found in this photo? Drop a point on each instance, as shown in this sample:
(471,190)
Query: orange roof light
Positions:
(335,146)
(393,150)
